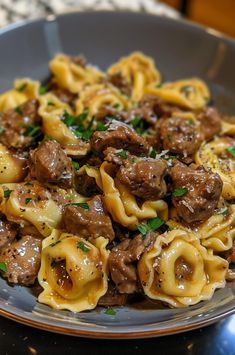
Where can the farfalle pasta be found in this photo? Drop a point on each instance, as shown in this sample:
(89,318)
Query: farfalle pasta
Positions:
(114,184)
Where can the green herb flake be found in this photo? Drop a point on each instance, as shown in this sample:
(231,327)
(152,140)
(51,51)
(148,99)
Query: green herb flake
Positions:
(42,90)
(110,311)
(3,266)
(55,243)
(83,247)
(153,154)
(123,154)
(138,124)
(158,86)
(27,200)
(75,165)
(134,160)
(191,122)
(180,191)
(143,228)
(101,126)
(19,111)
(53,263)
(68,119)
(32,130)
(83,205)
(155,223)
(2,130)
(223,211)
(50,103)
(231,150)
(116,105)
(22,87)
(7,193)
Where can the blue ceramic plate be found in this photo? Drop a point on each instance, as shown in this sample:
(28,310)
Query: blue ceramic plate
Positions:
(180,50)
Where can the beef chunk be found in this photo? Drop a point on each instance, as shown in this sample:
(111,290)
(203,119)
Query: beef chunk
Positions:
(144,177)
(179,135)
(79,60)
(210,120)
(119,81)
(49,163)
(119,136)
(88,223)
(16,122)
(86,185)
(113,297)
(7,232)
(23,260)
(108,111)
(122,262)
(203,192)
(63,94)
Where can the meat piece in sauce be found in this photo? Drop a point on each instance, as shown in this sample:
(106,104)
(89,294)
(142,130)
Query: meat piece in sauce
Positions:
(122,262)
(210,121)
(79,60)
(119,81)
(63,94)
(144,177)
(7,232)
(86,185)
(49,163)
(202,194)
(88,223)
(119,136)
(22,259)
(113,297)
(16,122)
(179,135)
(108,111)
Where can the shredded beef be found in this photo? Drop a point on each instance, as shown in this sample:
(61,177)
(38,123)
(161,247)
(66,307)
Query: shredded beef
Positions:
(210,120)
(203,192)
(122,262)
(49,163)
(88,223)
(22,259)
(119,136)
(119,81)
(113,297)
(7,232)
(15,123)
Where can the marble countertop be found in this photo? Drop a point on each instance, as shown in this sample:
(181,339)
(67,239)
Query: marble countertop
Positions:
(16,10)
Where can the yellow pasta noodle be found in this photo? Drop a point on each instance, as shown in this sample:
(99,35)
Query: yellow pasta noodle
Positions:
(180,271)
(123,206)
(138,70)
(214,155)
(189,93)
(71,76)
(12,169)
(74,272)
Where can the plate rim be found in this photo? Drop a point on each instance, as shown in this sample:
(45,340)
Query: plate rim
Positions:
(44,325)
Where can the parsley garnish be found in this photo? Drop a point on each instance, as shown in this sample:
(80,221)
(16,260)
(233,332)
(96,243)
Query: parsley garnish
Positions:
(231,150)
(22,87)
(110,311)
(3,266)
(32,131)
(138,124)
(42,90)
(180,191)
(151,225)
(50,103)
(153,154)
(83,247)
(19,111)
(101,126)
(83,205)
(2,130)
(116,105)
(223,211)
(169,157)
(68,119)
(158,86)
(134,160)
(27,200)
(75,165)
(7,193)
(53,244)
(123,154)
(53,263)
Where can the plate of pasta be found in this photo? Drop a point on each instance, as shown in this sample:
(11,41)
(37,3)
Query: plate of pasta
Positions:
(117,177)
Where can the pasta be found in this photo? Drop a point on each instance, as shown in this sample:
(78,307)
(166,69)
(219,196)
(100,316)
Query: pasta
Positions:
(114,184)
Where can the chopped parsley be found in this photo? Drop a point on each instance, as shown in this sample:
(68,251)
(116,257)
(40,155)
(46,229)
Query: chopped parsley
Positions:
(134,160)
(101,126)
(75,165)
(50,103)
(7,193)
(2,130)
(32,130)
(68,119)
(116,105)
(123,154)
(158,86)
(83,205)
(138,124)
(231,150)
(110,311)
(153,154)
(3,266)
(53,244)
(42,90)
(151,225)
(223,211)
(180,191)
(19,111)
(27,200)
(22,87)
(53,263)
(83,247)
(169,157)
